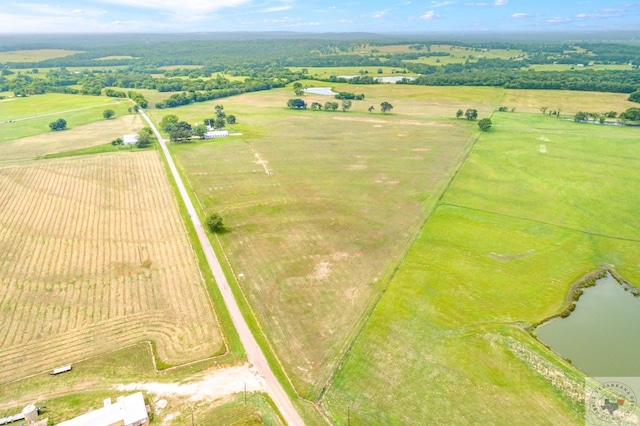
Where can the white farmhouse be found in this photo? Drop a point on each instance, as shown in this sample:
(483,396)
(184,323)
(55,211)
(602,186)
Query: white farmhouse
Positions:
(130,139)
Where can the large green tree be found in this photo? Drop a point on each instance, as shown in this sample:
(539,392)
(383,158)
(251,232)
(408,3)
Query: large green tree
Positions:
(168,121)
(385,107)
(297,104)
(108,113)
(471,114)
(485,124)
(214,223)
(59,124)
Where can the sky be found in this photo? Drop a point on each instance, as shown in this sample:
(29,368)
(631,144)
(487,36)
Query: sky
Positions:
(377,16)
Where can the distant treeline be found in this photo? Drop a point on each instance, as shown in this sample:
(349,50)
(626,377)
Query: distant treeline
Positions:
(586,80)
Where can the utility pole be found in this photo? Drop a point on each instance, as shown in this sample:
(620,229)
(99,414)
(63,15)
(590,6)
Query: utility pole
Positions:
(348,416)
(245,393)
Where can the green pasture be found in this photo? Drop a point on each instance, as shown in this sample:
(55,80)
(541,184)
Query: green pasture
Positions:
(320,205)
(574,175)
(517,227)
(28,116)
(35,55)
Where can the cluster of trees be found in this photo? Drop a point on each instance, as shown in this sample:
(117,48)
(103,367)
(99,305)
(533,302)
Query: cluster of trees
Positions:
(59,124)
(138,99)
(180,130)
(349,95)
(469,114)
(631,114)
(345,105)
(108,113)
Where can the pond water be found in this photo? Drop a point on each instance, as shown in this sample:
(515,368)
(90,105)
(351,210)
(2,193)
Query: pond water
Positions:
(602,335)
(320,91)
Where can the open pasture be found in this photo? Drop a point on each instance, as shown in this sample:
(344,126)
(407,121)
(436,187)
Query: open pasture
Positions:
(320,205)
(29,116)
(539,203)
(568,101)
(35,55)
(94,257)
(79,137)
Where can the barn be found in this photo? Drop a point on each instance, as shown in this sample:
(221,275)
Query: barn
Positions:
(130,139)
(126,411)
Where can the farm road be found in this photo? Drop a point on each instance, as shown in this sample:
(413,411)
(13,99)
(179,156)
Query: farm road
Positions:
(54,113)
(254,353)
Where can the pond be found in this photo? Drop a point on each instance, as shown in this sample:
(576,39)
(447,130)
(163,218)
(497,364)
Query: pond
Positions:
(320,91)
(602,335)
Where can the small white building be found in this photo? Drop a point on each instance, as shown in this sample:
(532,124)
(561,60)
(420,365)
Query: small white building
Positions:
(126,411)
(216,134)
(130,139)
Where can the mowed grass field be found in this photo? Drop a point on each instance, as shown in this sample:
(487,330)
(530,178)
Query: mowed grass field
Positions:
(88,135)
(94,257)
(539,203)
(29,116)
(321,205)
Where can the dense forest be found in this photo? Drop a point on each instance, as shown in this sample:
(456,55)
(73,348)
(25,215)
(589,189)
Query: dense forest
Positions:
(130,62)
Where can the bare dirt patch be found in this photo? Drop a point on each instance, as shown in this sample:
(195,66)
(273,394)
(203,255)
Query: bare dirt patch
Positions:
(215,384)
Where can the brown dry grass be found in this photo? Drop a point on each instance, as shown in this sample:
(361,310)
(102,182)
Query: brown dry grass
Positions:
(93,257)
(79,137)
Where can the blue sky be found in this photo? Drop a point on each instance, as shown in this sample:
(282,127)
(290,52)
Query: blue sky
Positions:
(72,16)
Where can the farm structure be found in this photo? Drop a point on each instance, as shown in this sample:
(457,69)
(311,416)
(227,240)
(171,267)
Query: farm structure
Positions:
(212,134)
(94,257)
(127,411)
(130,139)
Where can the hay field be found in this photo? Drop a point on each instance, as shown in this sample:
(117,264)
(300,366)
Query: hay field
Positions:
(94,257)
(517,227)
(347,192)
(86,136)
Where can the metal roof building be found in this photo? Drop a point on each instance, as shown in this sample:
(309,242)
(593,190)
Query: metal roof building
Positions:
(126,411)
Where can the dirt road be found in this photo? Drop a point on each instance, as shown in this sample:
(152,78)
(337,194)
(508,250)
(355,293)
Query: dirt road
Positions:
(255,356)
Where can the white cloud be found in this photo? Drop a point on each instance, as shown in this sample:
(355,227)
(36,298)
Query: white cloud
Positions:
(429,15)
(501,2)
(519,16)
(278,9)
(182,7)
(558,20)
(435,4)
(380,14)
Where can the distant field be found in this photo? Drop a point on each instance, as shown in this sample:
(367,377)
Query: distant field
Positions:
(89,135)
(91,247)
(31,115)
(539,203)
(320,205)
(173,67)
(106,58)
(35,55)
